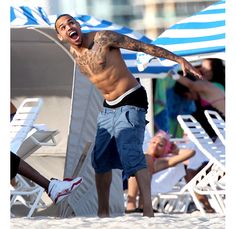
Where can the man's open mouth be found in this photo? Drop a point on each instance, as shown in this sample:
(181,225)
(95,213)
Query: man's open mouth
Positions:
(73,35)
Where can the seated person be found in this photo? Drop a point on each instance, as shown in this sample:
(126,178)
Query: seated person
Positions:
(13,110)
(56,189)
(207,93)
(161,154)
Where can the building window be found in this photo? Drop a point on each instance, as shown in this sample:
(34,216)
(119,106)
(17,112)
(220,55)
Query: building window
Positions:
(184,9)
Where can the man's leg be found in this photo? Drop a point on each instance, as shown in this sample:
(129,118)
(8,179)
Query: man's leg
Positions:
(132,193)
(103,182)
(29,172)
(144,183)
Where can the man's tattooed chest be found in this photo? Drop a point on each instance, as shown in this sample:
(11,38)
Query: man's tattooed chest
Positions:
(91,62)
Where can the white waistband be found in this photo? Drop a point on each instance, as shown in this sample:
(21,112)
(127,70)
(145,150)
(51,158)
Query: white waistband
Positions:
(116,101)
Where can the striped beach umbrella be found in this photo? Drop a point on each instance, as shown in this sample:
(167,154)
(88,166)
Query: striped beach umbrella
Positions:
(197,37)
(25,16)
(28,16)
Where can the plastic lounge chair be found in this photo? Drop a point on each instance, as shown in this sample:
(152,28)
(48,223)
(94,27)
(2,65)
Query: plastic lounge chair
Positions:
(201,139)
(26,138)
(23,121)
(165,186)
(27,194)
(208,180)
(36,139)
(217,123)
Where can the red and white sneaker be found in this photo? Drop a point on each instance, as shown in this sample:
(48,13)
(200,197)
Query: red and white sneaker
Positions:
(58,189)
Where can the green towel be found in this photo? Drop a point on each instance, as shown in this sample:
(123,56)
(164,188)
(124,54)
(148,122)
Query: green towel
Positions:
(160,93)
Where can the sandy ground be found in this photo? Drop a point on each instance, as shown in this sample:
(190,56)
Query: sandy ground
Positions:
(160,221)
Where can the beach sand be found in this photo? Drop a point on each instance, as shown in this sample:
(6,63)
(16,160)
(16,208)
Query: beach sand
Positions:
(160,221)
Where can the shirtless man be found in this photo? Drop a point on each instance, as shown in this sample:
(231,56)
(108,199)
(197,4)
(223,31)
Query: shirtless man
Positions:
(121,124)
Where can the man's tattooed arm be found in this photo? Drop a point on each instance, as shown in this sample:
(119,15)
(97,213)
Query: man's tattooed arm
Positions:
(117,40)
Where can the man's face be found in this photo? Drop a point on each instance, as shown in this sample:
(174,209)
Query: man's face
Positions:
(69,30)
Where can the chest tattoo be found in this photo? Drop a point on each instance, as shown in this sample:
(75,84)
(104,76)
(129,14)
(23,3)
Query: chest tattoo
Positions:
(91,61)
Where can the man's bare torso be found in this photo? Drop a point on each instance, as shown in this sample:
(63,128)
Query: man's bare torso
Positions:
(104,66)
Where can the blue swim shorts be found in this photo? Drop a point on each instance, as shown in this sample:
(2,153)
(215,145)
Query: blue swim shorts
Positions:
(119,140)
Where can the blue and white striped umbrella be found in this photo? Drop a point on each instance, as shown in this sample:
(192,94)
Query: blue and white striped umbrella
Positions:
(28,16)
(36,16)
(199,36)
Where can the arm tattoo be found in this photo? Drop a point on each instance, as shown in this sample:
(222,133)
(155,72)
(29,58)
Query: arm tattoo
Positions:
(117,40)
(158,52)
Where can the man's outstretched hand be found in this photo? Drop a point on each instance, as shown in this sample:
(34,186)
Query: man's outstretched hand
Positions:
(187,67)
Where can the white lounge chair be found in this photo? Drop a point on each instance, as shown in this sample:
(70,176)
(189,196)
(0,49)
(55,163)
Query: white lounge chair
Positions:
(28,194)
(23,121)
(201,139)
(210,180)
(37,138)
(26,138)
(217,123)
(165,186)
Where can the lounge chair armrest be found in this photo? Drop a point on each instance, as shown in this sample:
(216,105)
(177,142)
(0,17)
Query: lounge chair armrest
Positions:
(45,141)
